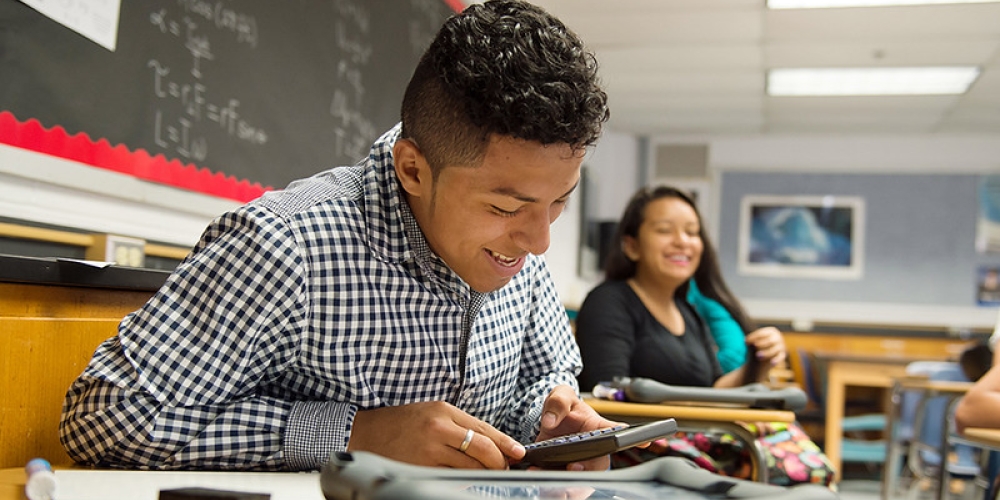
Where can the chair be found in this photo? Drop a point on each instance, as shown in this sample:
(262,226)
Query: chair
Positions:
(702,419)
(926,421)
(855,447)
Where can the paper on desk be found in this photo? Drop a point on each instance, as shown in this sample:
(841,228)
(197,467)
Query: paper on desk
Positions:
(94,19)
(89,263)
(77,484)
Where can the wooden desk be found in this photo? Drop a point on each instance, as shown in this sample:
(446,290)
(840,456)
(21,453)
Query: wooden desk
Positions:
(927,389)
(986,438)
(848,370)
(81,483)
(700,418)
(12,483)
(49,328)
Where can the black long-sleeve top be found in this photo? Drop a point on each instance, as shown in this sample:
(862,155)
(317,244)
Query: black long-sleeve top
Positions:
(618,336)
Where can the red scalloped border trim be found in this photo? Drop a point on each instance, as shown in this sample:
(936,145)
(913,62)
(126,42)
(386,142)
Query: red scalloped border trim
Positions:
(456,5)
(55,141)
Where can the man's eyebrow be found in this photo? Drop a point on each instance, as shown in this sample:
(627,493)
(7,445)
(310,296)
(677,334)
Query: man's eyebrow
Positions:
(513,193)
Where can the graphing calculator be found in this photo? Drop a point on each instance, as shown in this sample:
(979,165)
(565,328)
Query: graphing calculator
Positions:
(563,450)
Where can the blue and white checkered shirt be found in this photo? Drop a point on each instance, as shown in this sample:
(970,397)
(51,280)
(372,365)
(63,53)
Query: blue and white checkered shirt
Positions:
(299,309)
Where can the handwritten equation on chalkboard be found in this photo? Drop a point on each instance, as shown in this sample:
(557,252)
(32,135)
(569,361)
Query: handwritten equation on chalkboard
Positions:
(260,90)
(181,133)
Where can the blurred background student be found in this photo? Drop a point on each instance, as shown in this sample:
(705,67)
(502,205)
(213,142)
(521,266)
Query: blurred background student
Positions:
(640,323)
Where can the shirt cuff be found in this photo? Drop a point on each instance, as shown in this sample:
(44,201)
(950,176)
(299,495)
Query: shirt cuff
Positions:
(315,430)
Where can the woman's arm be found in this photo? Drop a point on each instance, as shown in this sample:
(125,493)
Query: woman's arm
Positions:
(726,332)
(770,346)
(605,332)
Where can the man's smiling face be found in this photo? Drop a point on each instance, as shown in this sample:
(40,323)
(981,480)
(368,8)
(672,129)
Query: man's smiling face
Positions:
(483,220)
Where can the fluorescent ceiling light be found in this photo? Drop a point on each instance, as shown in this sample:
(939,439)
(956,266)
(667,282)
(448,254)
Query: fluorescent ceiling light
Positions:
(822,4)
(870,81)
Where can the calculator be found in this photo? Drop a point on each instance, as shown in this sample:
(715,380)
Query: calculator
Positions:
(560,451)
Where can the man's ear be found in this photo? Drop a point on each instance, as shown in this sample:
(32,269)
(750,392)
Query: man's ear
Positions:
(412,169)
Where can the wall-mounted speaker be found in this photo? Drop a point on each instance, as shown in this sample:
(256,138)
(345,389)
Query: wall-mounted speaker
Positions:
(681,160)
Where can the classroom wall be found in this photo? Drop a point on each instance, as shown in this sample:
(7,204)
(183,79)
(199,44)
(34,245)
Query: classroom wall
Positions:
(920,186)
(614,163)
(920,201)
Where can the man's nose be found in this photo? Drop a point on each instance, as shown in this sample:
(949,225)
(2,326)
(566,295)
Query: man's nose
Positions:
(534,234)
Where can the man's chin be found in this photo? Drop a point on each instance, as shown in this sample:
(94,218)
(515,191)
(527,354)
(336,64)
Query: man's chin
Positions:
(488,287)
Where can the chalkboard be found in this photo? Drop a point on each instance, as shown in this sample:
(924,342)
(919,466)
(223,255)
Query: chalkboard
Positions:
(261,90)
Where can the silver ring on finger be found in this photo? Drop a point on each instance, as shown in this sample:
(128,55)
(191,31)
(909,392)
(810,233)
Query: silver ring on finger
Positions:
(469,433)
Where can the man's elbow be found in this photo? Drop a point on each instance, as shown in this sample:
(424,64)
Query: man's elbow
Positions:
(81,440)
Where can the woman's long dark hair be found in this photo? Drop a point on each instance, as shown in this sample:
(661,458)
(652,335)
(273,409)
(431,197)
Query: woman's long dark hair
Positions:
(708,275)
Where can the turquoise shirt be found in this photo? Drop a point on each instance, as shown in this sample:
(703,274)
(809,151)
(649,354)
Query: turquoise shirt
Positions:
(728,335)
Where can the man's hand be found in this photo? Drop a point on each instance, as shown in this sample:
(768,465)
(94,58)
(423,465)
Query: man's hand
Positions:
(564,413)
(432,433)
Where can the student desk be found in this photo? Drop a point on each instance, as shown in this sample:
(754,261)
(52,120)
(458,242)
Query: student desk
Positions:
(12,483)
(52,315)
(699,418)
(90,484)
(926,389)
(987,439)
(850,370)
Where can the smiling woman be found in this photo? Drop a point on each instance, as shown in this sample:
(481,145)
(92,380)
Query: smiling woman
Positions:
(639,323)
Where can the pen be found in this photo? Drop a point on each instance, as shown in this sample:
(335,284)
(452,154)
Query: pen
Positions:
(605,391)
(41,484)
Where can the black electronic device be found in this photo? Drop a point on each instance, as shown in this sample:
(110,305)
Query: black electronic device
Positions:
(366,476)
(560,451)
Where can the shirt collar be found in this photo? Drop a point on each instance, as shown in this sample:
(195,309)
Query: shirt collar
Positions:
(394,233)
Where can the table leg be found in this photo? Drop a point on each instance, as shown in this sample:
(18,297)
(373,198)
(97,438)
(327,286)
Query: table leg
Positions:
(893,462)
(834,416)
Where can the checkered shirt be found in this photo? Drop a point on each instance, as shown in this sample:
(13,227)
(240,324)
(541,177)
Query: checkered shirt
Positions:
(299,309)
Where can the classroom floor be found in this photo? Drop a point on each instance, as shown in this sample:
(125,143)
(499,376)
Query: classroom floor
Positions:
(871,489)
(859,489)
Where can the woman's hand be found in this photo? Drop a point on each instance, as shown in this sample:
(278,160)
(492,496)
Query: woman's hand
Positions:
(770,345)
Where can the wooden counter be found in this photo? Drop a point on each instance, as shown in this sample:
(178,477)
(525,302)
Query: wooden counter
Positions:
(52,316)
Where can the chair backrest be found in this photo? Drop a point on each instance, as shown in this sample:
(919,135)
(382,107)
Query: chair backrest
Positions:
(810,379)
(936,409)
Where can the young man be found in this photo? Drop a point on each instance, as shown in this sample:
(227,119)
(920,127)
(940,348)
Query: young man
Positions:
(398,306)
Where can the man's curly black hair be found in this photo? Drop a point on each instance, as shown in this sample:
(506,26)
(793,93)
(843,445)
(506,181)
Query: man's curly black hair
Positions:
(504,67)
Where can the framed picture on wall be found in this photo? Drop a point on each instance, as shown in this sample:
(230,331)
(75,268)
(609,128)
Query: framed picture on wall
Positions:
(988,222)
(988,285)
(802,236)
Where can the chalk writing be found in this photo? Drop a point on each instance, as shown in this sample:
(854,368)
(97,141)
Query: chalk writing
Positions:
(244,26)
(263,90)
(180,131)
(352,130)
